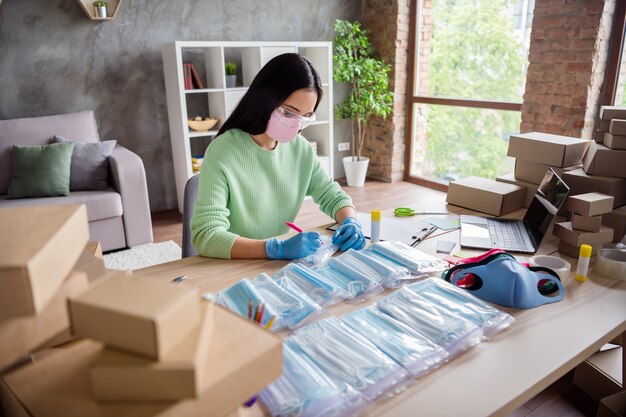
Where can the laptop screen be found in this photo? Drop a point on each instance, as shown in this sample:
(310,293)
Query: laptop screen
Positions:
(547,201)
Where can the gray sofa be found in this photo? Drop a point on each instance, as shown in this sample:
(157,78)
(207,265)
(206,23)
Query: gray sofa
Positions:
(119,216)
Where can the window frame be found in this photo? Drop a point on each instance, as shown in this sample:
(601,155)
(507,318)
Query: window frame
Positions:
(615,54)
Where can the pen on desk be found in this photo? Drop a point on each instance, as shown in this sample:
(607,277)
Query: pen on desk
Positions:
(268,326)
(180,278)
(249,309)
(294,227)
(424,236)
(261,314)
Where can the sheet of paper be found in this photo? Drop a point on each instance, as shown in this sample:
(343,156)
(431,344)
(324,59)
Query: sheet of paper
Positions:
(444,223)
(403,229)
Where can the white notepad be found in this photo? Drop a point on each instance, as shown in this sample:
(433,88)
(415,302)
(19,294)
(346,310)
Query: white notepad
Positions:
(404,229)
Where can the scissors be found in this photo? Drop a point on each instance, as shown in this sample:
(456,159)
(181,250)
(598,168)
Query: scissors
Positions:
(408,212)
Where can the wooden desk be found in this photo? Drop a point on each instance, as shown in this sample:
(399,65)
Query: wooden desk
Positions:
(497,376)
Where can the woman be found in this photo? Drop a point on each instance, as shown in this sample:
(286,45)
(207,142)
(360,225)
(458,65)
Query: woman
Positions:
(257,171)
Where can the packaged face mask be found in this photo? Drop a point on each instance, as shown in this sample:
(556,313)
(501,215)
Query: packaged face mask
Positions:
(418,262)
(393,273)
(322,254)
(453,333)
(416,353)
(355,287)
(311,283)
(460,302)
(501,279)
(349,265)
(304,390)
(345,355)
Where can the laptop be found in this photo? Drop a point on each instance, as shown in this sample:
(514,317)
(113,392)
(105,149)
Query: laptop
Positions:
(516,235)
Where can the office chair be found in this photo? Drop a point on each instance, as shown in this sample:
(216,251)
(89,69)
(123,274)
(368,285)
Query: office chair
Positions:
(189,200)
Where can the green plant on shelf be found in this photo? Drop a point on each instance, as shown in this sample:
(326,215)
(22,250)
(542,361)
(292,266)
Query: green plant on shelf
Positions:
(100,3)
(230,68)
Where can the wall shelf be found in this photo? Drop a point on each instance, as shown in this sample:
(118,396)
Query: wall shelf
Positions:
(112,7)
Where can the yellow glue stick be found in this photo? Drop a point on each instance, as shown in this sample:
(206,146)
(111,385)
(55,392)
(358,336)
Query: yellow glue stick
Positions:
(583,263)
(375,229)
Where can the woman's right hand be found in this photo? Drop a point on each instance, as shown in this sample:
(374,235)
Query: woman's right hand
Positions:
(301,245)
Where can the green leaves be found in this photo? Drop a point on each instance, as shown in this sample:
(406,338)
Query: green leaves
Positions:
(354,63)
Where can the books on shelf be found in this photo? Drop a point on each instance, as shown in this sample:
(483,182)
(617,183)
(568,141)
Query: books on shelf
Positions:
(191,77)
(187,76)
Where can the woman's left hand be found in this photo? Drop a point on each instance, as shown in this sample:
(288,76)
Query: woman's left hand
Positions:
(349,235)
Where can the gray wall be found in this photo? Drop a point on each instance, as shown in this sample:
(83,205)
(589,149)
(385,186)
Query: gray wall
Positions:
(54,60)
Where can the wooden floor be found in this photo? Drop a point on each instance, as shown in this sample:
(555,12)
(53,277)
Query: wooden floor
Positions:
(562,398)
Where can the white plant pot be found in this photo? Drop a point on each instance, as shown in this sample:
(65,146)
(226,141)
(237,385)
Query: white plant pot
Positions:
(101,11)
(231,81)
(355,170)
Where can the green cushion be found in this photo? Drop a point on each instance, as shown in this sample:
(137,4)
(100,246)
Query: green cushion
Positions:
(41,171)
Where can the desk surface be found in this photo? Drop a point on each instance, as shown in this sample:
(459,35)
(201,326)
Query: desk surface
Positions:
(497,376)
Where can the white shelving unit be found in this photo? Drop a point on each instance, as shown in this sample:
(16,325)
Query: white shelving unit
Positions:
(215,100)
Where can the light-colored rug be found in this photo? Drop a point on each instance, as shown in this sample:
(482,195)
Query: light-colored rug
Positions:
(143,256)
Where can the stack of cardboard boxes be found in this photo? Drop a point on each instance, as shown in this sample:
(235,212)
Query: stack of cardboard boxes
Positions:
(585,226)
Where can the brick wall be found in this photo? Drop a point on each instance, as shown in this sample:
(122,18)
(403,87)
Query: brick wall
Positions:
(567,60)
(388,22)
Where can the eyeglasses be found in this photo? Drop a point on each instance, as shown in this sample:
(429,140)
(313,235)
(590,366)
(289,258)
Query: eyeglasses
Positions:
(305,121)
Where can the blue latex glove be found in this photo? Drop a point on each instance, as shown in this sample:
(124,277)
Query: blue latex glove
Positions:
(349,235)
(301,245)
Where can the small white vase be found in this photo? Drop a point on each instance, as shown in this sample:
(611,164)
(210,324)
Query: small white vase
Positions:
(231,81)
(101,11)
(355,170)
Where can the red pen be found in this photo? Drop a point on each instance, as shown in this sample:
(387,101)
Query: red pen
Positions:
(294,227)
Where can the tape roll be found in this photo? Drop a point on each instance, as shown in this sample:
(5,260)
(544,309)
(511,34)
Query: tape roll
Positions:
(558,265)
(611,262)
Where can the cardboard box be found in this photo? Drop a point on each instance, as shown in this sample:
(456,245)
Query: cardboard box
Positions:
(534,172)
(554,150)
(598,135)
(244,359)
(21,335)
(613,141)
(617,127)
(612,112)
(574,251)
(566,233)
(590,204)
(120,376)
(613,405)
(616,220)
(485,195)
(586,223)
(605,125)
(600,375)
(531,189)
(90,264)
(580,182)
(137,314)
(94,248)
(600,160)
(40,246)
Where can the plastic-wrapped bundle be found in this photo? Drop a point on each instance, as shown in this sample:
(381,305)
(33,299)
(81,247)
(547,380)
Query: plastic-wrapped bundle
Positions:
(418,262)
(290,311)
(418,354)
(356,287)
(464,304)
(311,283)
(350,265)
(304,390)
(452,332)
(392,272)
(322,254)
(345,355)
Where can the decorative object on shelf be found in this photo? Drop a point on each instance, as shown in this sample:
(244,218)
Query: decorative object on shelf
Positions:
(370,96)
(231,74)
(200,124)
(100,8)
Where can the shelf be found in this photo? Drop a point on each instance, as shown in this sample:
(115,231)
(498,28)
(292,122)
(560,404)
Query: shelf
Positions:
(204,90)
(193,134)
(112,8)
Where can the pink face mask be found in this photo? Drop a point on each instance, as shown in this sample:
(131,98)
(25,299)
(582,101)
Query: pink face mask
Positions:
(284,125)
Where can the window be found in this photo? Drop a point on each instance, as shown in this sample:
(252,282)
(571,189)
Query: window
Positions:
(469,61)
(615,84)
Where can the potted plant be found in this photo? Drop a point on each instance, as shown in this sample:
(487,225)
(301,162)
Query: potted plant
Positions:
(100,8)
(355,63)
(231,74)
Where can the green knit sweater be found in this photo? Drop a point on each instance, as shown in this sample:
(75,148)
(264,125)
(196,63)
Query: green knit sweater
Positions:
(248,191)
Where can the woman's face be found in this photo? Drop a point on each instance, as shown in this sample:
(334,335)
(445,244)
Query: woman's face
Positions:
(301,102)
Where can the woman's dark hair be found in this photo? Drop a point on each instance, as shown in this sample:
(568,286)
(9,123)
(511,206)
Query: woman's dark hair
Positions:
(276,81)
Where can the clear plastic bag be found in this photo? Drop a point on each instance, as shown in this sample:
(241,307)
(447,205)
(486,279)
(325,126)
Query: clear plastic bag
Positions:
(350,265)
(464,304)
(419,263)
(393,273)
(418,354)
(452,332)
(321,291)
(322,254)
(304,390)
(347,356)
(356,287)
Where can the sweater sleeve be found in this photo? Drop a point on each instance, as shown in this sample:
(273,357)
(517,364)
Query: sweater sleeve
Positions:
(209,224)
(326,192)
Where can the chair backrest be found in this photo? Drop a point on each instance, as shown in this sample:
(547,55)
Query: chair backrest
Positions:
(189,200)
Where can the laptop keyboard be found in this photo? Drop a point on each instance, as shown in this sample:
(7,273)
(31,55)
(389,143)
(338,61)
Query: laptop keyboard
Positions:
(508,235)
